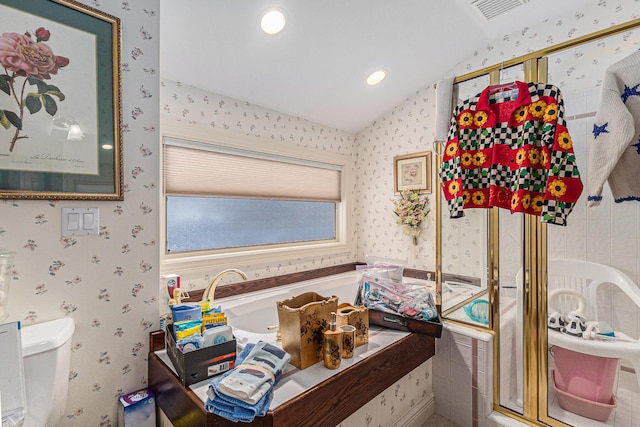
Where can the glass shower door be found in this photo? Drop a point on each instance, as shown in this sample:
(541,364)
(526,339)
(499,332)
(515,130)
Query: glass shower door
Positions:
(508,254)
(519,259)
(606,235)
(464,244)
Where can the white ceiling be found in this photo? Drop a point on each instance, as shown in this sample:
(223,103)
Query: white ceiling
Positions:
(317,66)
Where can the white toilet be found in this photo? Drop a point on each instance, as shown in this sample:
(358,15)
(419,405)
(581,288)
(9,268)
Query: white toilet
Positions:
(46,352)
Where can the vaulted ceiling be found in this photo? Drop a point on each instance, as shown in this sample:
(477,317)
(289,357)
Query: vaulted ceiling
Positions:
(317,66)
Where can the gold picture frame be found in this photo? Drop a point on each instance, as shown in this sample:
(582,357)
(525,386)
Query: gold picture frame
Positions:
(61,119)
(412,172)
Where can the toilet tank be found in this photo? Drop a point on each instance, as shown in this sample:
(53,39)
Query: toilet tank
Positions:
(46,352)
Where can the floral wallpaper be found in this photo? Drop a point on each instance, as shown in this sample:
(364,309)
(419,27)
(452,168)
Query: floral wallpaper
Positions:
(409,127)
(399,403)
(187,104)
(108,283)
(608,234)
(192,105)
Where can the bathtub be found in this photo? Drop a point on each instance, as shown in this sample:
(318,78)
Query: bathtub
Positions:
(251,314)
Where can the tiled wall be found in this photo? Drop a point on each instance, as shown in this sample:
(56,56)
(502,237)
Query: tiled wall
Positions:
(608,234)
(463,375)
(108,283)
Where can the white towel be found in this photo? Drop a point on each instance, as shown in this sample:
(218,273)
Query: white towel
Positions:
(444,98)
(257,374)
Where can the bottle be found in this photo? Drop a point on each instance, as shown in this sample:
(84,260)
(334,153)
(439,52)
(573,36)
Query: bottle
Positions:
(332,344)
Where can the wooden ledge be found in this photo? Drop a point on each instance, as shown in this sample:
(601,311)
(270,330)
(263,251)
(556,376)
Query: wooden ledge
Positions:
(233,289)
(328,403)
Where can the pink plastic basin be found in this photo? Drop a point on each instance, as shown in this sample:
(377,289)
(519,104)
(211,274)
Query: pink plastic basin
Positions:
(584,407)
(585,376)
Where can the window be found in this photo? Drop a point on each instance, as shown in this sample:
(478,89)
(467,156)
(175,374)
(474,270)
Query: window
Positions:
(237,199)
(201,223)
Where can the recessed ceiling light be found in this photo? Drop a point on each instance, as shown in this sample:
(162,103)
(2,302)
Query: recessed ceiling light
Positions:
(376,77)
(272,21)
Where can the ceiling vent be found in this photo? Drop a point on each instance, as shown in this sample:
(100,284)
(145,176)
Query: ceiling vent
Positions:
(492,8)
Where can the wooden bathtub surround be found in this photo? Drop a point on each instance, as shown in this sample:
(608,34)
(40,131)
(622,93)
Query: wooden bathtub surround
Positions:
(326,404)
(233,289)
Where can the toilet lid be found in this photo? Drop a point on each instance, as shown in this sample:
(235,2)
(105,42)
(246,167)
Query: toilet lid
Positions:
(46,336)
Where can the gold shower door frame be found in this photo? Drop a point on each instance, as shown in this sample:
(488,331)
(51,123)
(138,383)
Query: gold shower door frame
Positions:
(535,366)
(534,282)
(535,362)
(534,294)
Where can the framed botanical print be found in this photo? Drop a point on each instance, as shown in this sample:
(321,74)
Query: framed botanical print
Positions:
(412,172)
(60,119)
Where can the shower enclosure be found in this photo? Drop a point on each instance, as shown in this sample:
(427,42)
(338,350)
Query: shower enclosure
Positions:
(503,258)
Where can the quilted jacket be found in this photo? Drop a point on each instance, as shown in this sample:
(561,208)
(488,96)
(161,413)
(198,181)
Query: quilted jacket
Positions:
(509,147)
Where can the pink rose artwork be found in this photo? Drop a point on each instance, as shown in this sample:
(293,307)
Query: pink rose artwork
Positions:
(411,174)
(34,60)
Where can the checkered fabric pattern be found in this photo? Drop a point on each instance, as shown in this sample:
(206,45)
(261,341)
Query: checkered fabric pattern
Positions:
(513,153)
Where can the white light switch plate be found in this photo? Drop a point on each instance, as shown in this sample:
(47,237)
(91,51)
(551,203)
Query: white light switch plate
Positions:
(80,221)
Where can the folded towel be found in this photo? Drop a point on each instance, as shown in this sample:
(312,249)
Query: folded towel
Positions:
(444,100)
(235,409)
(257,374)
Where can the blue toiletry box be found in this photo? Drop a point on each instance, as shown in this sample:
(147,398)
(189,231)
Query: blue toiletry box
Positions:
(186,311)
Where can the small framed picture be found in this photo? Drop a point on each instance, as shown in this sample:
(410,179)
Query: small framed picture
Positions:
(412,172)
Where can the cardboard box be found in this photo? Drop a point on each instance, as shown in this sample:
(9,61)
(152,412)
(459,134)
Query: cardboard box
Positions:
(137,409)
(198,365)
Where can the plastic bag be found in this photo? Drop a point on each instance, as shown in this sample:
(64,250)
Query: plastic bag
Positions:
(382,272)
(383,268)
(406,299)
